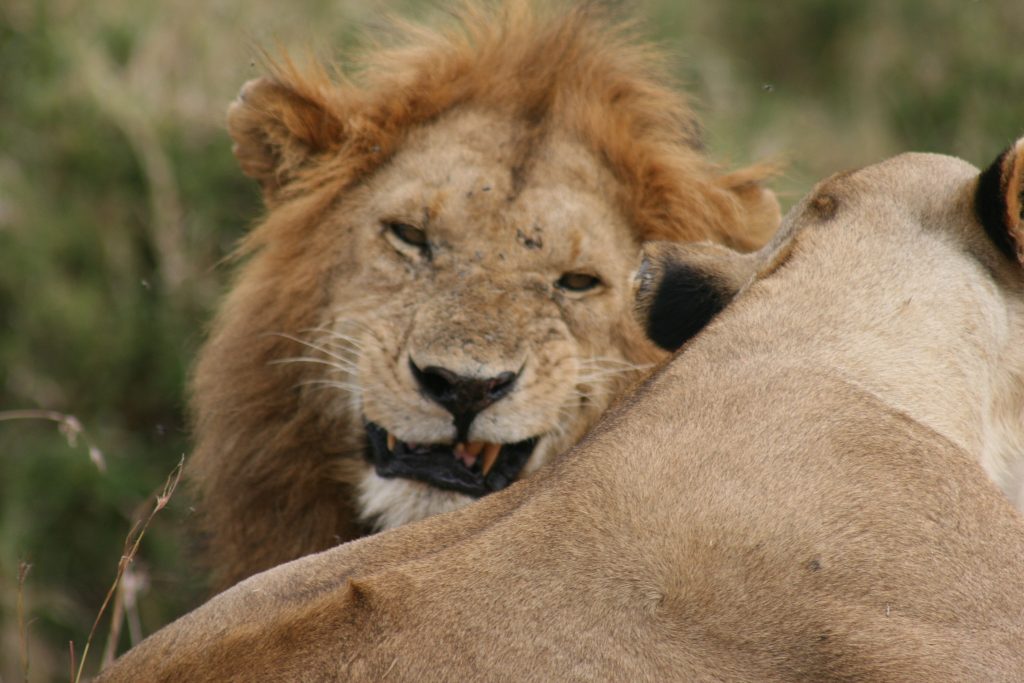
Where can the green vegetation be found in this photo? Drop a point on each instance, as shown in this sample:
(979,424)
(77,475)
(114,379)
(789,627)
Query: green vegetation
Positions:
(119,197)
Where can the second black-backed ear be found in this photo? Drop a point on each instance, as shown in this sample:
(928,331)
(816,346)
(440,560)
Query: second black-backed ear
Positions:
(277,129)
(681,287)
(999,201)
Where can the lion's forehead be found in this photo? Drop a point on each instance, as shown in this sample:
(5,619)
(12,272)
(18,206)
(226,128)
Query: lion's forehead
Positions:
(509,147)
(489,194)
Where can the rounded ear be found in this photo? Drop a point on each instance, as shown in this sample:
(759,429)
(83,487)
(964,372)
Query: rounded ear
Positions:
(999,201)
(277,130)
(681,287)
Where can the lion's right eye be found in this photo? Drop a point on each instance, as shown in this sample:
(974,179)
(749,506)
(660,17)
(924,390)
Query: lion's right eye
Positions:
(409,234)
(578,282)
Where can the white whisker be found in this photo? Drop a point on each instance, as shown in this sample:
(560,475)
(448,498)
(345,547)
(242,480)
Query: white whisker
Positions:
(345,366)
(612,361)
(591,376)
(616,368)
(349,387)
(359,324)
(336,335)
(315,347)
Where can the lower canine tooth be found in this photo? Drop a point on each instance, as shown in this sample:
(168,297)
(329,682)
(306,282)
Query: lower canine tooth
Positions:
(391,441)
(491,451)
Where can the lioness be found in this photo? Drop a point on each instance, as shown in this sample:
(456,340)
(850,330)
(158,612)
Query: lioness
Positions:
(436,301)
(795,496)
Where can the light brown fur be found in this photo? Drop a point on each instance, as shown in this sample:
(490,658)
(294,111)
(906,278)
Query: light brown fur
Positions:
(526,147)
(795,496)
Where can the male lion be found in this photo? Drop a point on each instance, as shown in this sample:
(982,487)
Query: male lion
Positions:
(796,496)
(437,301)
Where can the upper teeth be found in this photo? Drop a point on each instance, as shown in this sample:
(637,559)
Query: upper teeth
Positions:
(467,453)
(490,457)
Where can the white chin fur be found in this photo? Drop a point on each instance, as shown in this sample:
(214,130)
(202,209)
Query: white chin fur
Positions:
(390,503)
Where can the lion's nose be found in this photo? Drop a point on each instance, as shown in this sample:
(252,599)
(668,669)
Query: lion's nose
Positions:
(463,397)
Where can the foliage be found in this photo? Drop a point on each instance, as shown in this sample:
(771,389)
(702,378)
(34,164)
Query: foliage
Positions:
(119,198)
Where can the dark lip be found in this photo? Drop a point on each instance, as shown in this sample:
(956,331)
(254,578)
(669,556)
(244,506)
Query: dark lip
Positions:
(436,464)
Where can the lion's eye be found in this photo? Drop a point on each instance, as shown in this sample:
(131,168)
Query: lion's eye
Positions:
(578,282)
(409,234)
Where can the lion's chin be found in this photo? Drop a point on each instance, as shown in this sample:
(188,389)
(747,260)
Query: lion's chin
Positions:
(472,469)
(390,503)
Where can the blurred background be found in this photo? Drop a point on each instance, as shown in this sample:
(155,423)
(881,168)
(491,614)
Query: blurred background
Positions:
(119,197)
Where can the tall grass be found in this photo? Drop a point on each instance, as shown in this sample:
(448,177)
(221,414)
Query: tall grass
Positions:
(119,197)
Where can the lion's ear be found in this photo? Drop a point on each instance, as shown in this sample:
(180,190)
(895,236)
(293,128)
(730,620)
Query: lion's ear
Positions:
(681,287)
(999,201)
(277,130)
(759,205)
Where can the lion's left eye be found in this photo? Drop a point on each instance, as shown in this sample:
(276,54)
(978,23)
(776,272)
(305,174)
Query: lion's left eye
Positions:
(409,234)
(578,282)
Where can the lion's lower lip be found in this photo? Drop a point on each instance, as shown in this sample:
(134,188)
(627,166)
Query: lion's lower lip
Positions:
(437,464)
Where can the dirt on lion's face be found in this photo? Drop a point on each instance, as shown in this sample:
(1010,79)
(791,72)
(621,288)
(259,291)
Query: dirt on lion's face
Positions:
(479,330)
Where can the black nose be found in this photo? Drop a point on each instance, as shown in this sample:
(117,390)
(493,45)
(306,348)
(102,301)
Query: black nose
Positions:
(463,397)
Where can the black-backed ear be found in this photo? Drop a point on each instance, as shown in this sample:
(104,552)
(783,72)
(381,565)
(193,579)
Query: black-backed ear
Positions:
(999,201)
(681,287)
(277,130)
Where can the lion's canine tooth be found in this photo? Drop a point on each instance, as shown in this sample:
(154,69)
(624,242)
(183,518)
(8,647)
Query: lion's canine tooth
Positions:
(473,448)
(391,441)
(491,451)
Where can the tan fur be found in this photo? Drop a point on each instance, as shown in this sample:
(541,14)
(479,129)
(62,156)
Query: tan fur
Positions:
(796,496)
(510,128)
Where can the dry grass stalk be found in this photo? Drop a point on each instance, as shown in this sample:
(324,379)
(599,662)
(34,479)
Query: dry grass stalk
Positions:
(134,583)
(131,548)
(125,610)
(116,620)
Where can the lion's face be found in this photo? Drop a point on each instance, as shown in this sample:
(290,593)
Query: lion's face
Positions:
(484,321)
(437,301)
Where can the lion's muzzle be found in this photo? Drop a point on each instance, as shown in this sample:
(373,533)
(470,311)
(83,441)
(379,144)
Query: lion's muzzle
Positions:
(463,397)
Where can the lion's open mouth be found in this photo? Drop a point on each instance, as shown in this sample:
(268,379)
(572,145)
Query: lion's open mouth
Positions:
(474,468)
